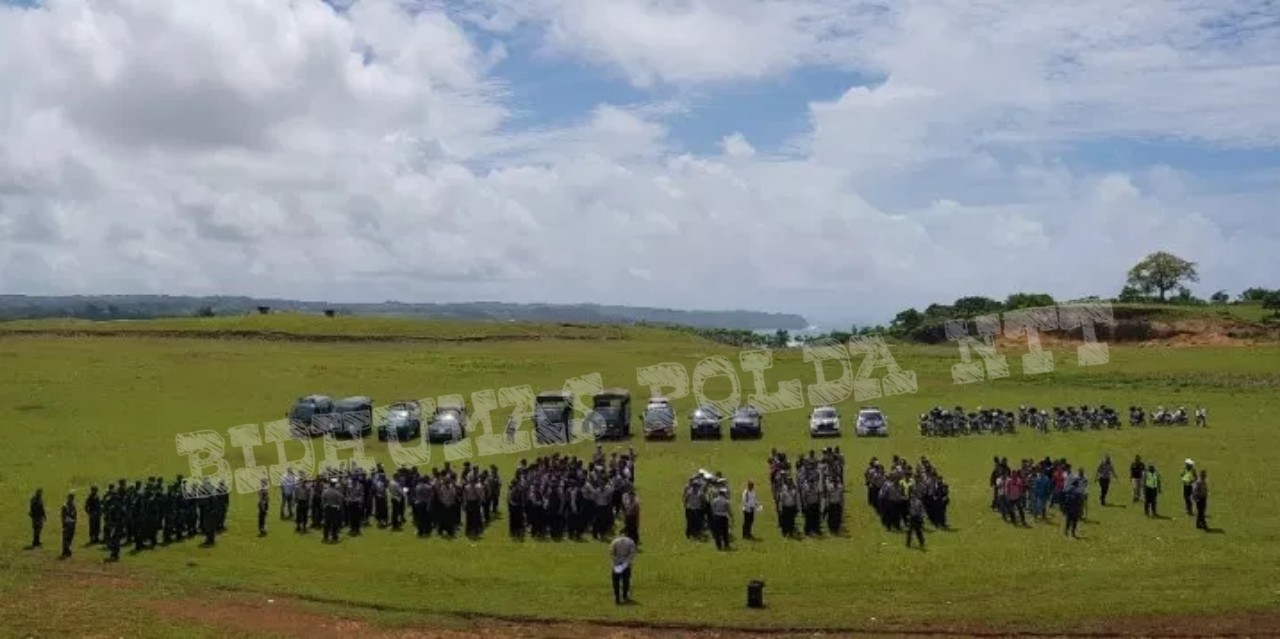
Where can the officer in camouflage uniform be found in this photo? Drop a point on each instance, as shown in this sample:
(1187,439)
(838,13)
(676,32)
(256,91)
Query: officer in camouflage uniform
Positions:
(108,502)
(93,508)
(191,504)
(223,497)
(114,505)
(317,502)
(208,517)
(37,514)
(170,511)
(155,516)
(68,524)
(264,506)
(138,516)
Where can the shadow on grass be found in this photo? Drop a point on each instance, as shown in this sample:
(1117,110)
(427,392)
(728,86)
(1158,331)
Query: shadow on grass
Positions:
(1215,531)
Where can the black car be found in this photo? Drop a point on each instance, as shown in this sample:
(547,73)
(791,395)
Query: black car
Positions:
(705,422)
(448,424)
(352,417)
(748,423)
(306,418)
(403,421)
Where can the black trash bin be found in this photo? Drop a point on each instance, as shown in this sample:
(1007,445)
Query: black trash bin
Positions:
(755,594)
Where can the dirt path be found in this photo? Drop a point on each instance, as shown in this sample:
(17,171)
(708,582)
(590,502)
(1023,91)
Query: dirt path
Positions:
(89,600)
(244,614)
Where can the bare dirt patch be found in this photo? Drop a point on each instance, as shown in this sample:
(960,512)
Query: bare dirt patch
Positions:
(261,614)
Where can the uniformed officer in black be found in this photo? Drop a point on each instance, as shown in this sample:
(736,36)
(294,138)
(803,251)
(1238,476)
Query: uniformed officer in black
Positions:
(264,505)
(114,505)
(93,508)
(37,514)
(208,516)
(68,523)
(397,494)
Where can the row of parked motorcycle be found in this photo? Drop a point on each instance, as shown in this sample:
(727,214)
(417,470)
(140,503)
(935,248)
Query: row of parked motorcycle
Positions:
(940,422)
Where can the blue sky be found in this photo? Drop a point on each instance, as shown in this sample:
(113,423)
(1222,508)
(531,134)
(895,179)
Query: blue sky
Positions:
(970,160)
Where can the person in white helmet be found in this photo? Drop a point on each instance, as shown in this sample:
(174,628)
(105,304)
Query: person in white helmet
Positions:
(1188,478)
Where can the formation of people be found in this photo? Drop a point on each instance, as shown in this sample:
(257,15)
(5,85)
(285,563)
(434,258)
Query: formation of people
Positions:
(1038,487)
(707,508)
(558,496)
(812,487)
(440,501)
(145,515)
(905,496)
(562,496)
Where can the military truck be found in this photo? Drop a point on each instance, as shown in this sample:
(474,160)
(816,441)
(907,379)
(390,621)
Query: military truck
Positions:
(303,416)
(611,414)
(403,421)
(448,423)
(553,417)
(352,416)
(748,423)
(659,421)
(705,423)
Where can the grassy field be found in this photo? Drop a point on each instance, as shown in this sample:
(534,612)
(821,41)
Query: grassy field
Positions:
(83,408)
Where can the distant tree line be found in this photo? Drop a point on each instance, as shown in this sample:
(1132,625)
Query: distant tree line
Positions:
(116,307)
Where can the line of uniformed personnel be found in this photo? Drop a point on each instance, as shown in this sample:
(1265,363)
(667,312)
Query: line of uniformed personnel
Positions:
(813,487)
(904,497)
(561,495)
(144,515)
(351,497)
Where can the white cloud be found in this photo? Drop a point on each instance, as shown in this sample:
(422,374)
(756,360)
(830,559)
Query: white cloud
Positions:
(286,149)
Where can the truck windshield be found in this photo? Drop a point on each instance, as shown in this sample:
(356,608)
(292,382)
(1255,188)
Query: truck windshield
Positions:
(659,415)
(302,412)
(824,414)
(553,411)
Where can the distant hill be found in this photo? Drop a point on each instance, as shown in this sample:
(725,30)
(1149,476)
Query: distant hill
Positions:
(112,307)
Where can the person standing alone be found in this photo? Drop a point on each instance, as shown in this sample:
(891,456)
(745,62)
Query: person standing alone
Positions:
(622,552)
(749,508)
(37,515)
(1106,471)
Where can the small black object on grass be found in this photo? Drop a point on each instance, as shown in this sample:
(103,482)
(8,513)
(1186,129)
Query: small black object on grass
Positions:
(755,594)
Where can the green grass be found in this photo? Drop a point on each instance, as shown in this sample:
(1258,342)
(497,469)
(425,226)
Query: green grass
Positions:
(340,328)
(87,409)
(1251,312)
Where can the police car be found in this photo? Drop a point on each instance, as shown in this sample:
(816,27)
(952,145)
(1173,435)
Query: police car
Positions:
(824,422)
(871,422)
(659,419)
